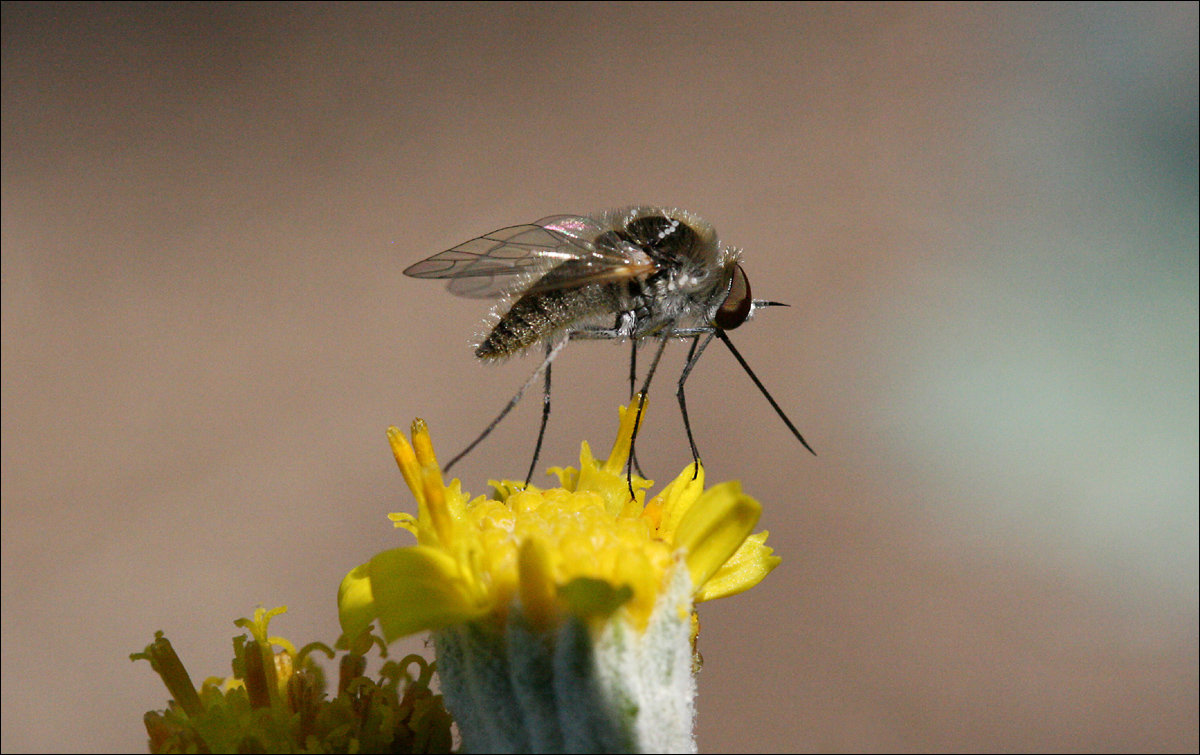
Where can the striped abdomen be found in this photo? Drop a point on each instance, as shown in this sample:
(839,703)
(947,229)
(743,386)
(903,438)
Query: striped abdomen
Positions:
(536,316)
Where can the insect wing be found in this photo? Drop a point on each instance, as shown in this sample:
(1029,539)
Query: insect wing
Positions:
(495,263)
(492,264)
(609,256)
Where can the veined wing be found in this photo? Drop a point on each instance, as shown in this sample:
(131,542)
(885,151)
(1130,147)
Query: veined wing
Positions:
(533,255)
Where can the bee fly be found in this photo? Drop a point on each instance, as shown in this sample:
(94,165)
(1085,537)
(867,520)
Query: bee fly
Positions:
(636,273)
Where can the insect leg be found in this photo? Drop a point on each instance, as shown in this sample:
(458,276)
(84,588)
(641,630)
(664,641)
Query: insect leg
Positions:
(632,392)
(637,420)
(537,450)
(620,330)
(693,357)
(551,353)
(632,367)
(721,334)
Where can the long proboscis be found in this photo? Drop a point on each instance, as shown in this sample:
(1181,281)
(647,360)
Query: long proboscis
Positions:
(736,355)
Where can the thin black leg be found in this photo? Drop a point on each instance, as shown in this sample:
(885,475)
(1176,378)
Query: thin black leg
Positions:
(537,450)
(632,392)
(637,420)
(632,368)
(693,357)
(551,353)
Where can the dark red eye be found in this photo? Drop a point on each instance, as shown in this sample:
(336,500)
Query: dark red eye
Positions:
(736,307)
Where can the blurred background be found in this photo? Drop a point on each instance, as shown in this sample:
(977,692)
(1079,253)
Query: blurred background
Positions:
(984,217)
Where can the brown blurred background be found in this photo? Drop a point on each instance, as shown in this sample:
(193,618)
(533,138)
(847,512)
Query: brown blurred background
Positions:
(984,216)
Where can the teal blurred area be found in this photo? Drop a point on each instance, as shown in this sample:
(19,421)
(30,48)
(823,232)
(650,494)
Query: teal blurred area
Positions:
(984,216)
(1052,352)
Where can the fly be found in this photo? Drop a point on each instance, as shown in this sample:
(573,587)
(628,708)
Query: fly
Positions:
(631,274)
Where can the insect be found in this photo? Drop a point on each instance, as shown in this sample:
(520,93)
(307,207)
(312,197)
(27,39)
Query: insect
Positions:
(632,274)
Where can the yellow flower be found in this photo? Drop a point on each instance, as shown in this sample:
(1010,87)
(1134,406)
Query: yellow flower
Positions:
(563,618)
(584,549)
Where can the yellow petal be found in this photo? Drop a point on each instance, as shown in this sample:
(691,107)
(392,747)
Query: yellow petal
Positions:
(423,444)
(713,528)
(674,501)
(356,605)
(406,459)
(419,588)
(539,596)
(634,413)
(745,569)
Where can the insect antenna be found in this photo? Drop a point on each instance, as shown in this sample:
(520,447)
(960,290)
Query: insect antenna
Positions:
(721,334)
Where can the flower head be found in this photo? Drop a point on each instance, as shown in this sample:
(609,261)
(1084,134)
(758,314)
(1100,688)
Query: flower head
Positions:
(563,617)
(584,549)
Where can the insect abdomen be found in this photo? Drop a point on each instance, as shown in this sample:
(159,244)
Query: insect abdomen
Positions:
(536,316)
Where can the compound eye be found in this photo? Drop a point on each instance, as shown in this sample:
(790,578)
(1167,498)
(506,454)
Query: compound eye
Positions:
(736,307)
